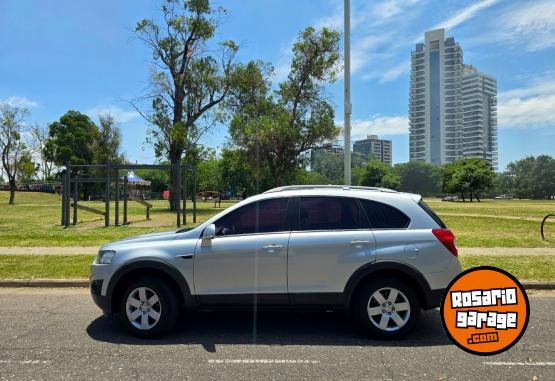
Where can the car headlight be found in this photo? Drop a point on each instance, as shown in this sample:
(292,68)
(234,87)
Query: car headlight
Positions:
(104,257)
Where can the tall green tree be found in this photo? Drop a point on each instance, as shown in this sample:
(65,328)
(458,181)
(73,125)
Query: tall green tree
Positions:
(190,81)
(107,146)
(277,130)
(534,177)
(418,177)
(378,174)
(72,139)
(12,147)
(468,176)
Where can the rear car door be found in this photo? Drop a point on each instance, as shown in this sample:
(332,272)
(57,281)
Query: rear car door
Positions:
(247,257)
(331,240)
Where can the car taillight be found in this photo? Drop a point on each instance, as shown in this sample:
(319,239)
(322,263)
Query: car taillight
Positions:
(447,238)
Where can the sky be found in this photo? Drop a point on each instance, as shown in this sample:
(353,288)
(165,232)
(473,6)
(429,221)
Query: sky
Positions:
(81,55)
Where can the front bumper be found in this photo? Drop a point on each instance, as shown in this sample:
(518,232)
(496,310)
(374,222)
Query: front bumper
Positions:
(101,301)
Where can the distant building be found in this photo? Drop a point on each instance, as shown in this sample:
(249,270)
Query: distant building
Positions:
(435,105)
(374,148)
(452,106)
(479,92)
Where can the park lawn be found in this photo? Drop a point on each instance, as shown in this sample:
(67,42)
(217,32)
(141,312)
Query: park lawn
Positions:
(536,209)
(525,267)
(35,221)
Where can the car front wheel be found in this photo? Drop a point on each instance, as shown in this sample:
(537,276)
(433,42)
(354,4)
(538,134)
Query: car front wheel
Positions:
(149,307)
(386,308)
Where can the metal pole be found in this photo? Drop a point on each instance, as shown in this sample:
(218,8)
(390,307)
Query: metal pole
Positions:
(125,200)
(177,197)
(185,198)
(75,197)
(116,199)
(107,196)
(67,194)
(347,84)
(194,196)
(64,191)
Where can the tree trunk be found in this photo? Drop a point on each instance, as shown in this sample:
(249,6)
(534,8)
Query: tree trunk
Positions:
(462,196)
(12,191)
(477,197)
(470,196)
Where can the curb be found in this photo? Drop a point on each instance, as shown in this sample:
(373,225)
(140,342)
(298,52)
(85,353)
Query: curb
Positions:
(56,283)
(46,283)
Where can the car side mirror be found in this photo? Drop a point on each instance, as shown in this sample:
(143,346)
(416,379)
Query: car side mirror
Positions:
(209,232)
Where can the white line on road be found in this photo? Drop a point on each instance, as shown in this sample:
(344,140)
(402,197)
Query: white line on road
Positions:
(26,362)
(262,361)
(510,363)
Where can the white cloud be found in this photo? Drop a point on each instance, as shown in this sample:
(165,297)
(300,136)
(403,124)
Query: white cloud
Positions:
(531,25)
(378,125)
(120,115)
(19,102)
(528,106)
(465,14)
(390,74)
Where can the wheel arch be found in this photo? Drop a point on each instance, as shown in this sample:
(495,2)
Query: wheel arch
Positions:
(384,269)
(150,267)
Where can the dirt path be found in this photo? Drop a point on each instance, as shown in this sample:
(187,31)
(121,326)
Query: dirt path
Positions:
(91,250)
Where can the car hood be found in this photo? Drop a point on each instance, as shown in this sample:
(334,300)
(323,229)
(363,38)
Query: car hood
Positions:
(169,235)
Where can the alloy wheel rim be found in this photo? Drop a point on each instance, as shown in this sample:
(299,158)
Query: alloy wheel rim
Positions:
(388,309)
(143,308)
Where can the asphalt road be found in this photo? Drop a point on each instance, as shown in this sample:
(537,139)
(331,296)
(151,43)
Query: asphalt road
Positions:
(60,334)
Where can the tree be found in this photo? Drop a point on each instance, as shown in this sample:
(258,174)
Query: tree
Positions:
(39,138)
(107,145)
(277,130)
(469,175)
(534,177)
(12,147)
(378,174)
(72,138)
(27,168)
(418,177)
(189,82)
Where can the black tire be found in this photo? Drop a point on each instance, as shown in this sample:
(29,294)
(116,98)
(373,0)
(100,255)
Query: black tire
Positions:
(369,325)
(167,306)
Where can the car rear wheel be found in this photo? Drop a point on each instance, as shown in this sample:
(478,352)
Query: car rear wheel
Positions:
(149,307)
(386,308)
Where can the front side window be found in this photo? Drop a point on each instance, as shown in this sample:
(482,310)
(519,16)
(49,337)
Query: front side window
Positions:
(258,217)
(329,213)
(383,216)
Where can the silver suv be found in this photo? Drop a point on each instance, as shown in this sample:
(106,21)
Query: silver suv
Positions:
(379,254)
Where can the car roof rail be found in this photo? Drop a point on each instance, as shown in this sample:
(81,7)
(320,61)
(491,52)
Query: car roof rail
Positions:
(330,186)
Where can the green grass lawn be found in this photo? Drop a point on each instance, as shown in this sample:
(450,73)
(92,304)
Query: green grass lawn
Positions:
(35,221)
(526,267)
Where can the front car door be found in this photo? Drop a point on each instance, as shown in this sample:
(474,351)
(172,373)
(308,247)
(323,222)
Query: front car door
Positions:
(247,260)
(331,241)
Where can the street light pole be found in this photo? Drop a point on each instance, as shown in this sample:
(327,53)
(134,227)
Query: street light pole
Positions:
(347,84)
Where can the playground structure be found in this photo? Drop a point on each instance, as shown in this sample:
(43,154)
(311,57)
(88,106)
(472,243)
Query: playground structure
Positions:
(73,176)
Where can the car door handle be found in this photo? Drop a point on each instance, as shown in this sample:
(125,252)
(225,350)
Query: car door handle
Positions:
(359,243)
(272,248)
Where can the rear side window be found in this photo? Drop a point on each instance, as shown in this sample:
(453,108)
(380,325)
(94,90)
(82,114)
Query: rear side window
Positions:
(383,216)
(432,214)
(329,213)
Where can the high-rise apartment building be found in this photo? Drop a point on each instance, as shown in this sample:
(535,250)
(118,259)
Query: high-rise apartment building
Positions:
(479,93)
(375,148)
(436,108)
(452,107)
